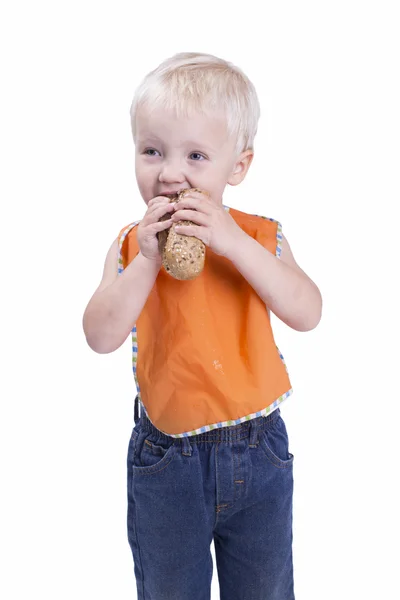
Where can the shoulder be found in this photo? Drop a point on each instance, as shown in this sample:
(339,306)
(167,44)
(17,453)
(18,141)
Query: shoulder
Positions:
(125,231)
(127,245)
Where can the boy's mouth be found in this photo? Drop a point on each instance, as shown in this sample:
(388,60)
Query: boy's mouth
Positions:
(169,194)
(172,194)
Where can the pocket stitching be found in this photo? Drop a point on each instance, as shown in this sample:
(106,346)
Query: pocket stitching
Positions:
(163,463)
(271,456)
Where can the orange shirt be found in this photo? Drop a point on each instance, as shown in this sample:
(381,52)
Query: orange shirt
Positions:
(204,354)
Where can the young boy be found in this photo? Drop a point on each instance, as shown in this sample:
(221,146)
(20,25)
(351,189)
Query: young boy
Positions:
(209,458)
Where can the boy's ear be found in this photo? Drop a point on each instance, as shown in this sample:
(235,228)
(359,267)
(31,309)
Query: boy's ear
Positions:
(241,166)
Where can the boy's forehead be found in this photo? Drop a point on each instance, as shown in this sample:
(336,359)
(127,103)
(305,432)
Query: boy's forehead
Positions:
(160,123)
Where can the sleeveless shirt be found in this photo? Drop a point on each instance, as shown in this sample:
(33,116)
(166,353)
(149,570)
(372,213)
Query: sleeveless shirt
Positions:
(203,350)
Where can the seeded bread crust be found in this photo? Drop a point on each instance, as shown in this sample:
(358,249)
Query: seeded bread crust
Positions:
(183,256)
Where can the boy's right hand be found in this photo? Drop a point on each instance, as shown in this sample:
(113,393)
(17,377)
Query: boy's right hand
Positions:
(149,226)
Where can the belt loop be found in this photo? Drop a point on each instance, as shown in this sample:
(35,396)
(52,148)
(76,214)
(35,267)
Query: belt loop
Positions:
(136,413)
(253,434)
(186,447)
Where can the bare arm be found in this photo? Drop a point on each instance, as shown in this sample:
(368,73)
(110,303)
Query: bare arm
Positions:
(284,287)
(118,301)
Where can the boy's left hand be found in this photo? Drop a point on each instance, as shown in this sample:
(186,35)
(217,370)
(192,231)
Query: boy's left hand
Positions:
(214,225)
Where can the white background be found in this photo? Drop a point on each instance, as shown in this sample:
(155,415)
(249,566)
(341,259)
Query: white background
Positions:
(326,166)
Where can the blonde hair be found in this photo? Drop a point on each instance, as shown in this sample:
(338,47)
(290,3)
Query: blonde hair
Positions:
(191,82)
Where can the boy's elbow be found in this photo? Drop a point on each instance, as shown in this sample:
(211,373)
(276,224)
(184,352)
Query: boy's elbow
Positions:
(309,326)
(314,315)
(99,346)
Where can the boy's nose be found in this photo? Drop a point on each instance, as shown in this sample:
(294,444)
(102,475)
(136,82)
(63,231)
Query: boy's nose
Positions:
(171,172)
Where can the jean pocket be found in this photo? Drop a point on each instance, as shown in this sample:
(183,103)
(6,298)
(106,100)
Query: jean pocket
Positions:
(275,444)
(151,453)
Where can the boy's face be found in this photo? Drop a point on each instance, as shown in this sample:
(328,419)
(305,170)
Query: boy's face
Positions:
(173,153)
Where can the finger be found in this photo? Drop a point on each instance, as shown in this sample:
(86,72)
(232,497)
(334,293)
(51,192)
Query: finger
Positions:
(159,211)
(202,206)
(168,205)
(190,215)
(153,201)
(161,225)
(158,200)
(192,230)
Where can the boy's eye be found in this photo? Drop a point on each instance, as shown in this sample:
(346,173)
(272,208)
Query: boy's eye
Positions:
(150,152)
(197,156)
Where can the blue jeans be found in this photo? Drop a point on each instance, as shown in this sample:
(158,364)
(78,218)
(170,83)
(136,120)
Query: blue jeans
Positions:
(233,485)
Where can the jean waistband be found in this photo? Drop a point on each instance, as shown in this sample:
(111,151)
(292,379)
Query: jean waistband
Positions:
(230,433)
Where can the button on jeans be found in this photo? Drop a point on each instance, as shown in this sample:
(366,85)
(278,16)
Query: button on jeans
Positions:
(233,486)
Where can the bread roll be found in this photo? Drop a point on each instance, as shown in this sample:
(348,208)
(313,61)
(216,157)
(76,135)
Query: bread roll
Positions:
(183,256)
